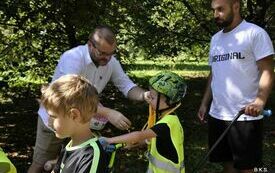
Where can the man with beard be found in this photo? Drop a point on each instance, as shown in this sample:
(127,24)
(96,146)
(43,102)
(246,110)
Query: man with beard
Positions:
(241,77)
(96,62)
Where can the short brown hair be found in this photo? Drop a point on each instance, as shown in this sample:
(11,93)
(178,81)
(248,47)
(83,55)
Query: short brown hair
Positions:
(104,32)
(233,1)
(71,91)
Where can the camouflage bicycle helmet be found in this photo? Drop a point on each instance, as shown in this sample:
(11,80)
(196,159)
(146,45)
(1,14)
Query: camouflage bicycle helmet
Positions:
(170,84)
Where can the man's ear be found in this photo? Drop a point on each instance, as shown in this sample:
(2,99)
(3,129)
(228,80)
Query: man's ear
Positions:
(89,43)
(236,6)
(75,114)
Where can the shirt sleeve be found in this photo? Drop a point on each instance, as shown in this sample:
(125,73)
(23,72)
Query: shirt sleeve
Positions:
(262,45)
(71,62)
(120,79)
(162,130)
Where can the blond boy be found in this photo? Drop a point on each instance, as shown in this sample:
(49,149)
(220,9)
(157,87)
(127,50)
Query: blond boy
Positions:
(71,101)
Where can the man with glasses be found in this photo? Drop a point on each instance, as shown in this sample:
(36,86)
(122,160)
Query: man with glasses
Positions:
(94,61)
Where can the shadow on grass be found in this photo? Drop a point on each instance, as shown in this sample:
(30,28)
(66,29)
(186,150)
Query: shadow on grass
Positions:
(19,117)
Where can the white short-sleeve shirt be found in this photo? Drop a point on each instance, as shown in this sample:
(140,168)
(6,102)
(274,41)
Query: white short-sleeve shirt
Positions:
(78,61)
(235,75)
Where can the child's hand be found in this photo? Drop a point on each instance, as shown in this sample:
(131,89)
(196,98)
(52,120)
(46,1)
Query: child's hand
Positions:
(106,145)
(134,145)
(131,145)
(49,165)
(103,141)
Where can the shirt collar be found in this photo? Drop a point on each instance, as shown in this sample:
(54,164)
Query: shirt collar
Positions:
(88,58)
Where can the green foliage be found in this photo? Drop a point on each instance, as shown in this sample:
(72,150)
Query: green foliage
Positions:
(165,27)
(34,33)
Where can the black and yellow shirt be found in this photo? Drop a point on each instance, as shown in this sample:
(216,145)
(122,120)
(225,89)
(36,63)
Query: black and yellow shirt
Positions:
(88,157)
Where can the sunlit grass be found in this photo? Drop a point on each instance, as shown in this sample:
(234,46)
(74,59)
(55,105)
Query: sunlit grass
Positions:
(150,73)
(147,68)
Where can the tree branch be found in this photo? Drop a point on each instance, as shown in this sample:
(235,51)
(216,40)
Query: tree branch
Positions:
(201,22)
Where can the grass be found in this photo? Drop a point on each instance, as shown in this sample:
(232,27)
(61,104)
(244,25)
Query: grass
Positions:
(148,68)
(18,119)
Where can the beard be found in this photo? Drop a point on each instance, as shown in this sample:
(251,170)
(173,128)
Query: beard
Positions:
(223,23)
(102,62)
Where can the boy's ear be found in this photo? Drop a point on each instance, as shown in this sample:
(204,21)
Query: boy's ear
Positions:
(75,114)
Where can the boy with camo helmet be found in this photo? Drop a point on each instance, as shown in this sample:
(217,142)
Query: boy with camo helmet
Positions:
(166,146)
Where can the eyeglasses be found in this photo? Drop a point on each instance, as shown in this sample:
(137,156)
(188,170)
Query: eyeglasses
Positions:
(98,52)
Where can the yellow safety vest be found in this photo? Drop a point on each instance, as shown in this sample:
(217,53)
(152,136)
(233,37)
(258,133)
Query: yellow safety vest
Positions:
(5,164)
(158,163)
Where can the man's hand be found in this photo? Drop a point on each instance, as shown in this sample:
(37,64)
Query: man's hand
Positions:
(201,113)
(147,96)
(254,108)
(136,93)
(118,120)
(266,69)
(205,100)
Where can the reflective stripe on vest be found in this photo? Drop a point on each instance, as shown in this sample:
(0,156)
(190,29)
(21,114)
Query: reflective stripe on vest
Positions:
(95,158)
(164,165)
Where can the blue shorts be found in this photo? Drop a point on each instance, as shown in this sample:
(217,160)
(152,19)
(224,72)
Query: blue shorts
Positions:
(242,144)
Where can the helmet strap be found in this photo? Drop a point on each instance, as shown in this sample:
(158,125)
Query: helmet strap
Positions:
(157,108)
(171,109)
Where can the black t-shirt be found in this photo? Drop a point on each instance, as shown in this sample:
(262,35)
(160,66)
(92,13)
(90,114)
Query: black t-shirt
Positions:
(164,142)
(80,160)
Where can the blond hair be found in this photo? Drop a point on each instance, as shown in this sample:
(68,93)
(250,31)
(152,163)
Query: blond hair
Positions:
(71,91)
